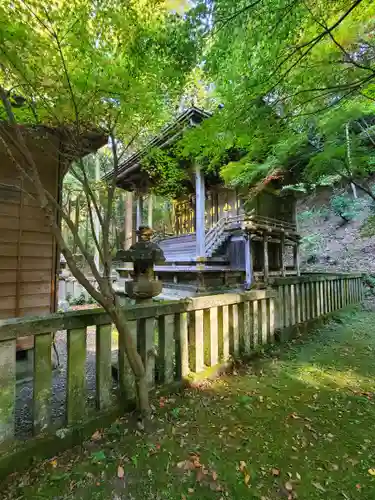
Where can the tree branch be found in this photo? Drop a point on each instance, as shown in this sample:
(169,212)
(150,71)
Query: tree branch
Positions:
(236,14)
(311,44)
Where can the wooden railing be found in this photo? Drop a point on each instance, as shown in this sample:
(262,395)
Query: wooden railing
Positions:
(261,221)
(190,335)
(214,236)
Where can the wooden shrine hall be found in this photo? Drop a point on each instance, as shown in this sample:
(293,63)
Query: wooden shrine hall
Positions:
(220,238)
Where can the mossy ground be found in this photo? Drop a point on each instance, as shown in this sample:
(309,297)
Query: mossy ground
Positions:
(297,423)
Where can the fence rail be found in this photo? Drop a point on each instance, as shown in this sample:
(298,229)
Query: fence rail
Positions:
(191,335)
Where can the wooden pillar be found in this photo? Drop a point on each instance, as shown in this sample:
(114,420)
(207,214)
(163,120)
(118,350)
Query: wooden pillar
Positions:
(282,255)
(199,213)
(128,220)
(150,210)
(265,260)
(296,259)
(139,211)
(248,262)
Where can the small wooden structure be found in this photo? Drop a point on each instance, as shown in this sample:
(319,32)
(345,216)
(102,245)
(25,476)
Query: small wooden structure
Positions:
(29,259)
(220,236)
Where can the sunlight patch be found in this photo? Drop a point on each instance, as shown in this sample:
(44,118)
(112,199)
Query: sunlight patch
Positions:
(318,376)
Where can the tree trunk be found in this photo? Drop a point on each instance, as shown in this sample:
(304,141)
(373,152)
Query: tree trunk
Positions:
(135,362)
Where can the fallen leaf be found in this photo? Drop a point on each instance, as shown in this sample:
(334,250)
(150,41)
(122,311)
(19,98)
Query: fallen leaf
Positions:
(371,472)
(247,479)
(275,472)
(319,487)
(186,465)
(96,436)
(214,475)
(53,463)
(190,490)
(242,466)
(288,486)
(120,472)
(295,416)
(298,476)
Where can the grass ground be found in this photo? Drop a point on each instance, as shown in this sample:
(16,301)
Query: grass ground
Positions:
(298,423)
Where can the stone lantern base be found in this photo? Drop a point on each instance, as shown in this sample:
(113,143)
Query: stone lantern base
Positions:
(143,288)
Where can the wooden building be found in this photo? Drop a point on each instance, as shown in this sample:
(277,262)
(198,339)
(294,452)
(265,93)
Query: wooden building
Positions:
(221,236)
(29,259)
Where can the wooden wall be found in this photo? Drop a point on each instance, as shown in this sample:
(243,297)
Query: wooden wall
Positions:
(282,207)
(27,249)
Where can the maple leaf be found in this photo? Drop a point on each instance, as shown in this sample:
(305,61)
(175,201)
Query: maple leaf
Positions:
(96,436)
(120,472)
(242,466)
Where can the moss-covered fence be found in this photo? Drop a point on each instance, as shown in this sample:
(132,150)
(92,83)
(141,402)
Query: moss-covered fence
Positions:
(195,338)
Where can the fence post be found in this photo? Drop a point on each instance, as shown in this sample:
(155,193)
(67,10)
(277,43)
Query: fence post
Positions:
(264,321)
(211,336)
(103,366)
(272,319)
(76,380)
(322,298)
(303,302)
(298,290)
(287,322)
(8,389)
(196,342)
(248,337)
(234,328)
(166,349)
(254,318)
(126,376)
(146,341)
(280,308)
(225,332)
(292,304)
(182,345)
(42,381)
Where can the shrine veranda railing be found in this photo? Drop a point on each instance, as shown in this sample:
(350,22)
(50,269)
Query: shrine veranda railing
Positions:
(193,337)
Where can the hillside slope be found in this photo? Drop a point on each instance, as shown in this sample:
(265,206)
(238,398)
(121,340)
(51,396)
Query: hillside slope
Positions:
(330,245)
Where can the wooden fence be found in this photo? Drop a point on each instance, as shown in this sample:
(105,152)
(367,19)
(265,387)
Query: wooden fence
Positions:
(192,336)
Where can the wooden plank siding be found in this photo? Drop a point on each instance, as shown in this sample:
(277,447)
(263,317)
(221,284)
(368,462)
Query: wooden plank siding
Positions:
(27,247)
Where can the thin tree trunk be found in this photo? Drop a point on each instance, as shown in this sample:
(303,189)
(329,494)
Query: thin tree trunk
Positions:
(350,160)
(135,362)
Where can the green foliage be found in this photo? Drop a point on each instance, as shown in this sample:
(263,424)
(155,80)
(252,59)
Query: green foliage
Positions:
(369,282)
(368,227)
(108,64)
(81,300)
(288,86)
(167,176)
(313,214)
(311,244)
(345,206)
(78,301)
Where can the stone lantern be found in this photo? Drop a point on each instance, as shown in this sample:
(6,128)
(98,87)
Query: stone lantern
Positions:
(144,254)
